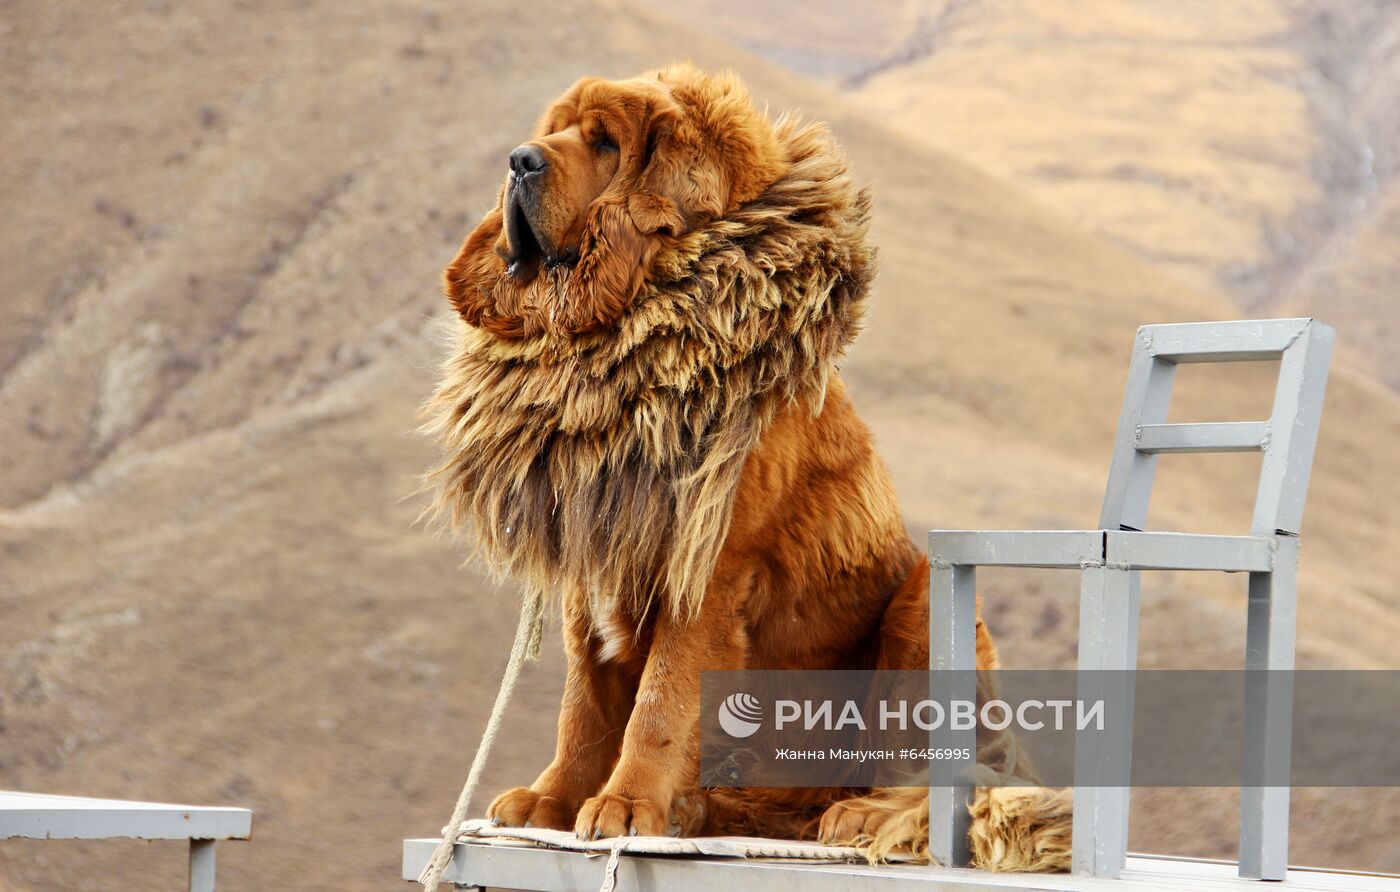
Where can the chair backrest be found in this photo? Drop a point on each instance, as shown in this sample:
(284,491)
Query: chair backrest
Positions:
(1287,438)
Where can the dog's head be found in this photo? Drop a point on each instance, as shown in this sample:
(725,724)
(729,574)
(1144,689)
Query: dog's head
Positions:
(615,169)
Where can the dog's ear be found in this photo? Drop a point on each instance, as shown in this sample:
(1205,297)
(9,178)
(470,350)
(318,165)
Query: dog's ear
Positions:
(707,151)
(681,187)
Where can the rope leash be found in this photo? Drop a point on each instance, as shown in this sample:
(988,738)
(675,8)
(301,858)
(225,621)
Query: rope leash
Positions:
(525,647)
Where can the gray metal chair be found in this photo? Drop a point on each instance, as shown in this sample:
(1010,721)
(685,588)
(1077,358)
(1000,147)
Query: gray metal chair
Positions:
(1110,558)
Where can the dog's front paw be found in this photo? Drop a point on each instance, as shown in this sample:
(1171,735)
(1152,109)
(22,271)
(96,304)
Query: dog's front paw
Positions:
(611,815)
(523,807)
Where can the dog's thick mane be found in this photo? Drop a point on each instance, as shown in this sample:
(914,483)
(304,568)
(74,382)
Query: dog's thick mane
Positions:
(606,464)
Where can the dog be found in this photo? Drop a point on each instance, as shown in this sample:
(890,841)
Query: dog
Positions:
(641,412)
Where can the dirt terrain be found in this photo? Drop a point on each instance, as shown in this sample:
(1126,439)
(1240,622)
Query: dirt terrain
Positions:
(219,313)
(1250,146)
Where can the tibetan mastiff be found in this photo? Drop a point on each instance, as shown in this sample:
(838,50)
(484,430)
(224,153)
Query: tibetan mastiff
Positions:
(641,414)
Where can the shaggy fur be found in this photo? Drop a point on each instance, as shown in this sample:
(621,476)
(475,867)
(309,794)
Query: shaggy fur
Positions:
(641,413)
(611,462)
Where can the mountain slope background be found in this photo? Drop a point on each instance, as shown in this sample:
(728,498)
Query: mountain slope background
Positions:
(225,226)
(1248,147)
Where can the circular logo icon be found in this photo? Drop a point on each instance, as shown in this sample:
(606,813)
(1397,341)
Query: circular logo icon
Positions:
(740,715)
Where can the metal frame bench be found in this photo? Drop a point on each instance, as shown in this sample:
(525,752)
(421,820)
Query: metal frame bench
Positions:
(1110,560)
(38,816)
(483,865)
(1111,557)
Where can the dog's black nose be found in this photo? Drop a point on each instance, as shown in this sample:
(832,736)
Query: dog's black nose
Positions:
(527,159)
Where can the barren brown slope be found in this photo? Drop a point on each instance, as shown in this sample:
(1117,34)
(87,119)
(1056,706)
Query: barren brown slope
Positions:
(1353,274)
(1250,147)
(211,587)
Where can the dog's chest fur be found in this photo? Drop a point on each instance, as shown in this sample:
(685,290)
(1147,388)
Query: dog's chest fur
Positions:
(616,634)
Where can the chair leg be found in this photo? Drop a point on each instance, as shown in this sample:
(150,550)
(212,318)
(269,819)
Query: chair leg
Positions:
(1108,632)
(202,865)
(1268,716)
(953,657)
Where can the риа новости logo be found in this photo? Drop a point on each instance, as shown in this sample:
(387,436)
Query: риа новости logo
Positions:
(740,715)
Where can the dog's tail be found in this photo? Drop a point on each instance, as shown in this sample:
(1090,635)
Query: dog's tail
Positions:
(1014,827)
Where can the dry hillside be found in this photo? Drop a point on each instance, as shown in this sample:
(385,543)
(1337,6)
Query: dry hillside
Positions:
(224,227)
(1251,147)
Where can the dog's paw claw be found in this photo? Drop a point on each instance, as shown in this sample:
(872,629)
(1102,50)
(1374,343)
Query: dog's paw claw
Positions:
(610,815)
(523,807)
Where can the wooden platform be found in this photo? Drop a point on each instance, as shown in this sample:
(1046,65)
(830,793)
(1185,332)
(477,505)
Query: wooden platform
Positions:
(546,870)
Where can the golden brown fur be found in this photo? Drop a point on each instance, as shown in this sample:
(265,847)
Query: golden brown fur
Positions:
(641,412)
